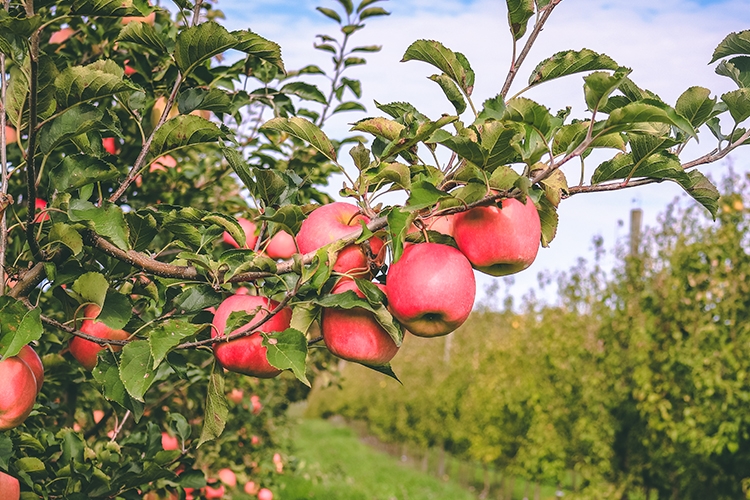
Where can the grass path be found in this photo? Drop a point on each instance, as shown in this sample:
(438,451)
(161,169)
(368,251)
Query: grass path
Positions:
(335,465)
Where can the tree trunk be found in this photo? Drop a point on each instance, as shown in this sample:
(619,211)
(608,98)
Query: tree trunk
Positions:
(426,460)
(486,490)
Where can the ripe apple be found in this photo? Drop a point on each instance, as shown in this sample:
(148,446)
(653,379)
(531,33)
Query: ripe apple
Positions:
(40,205)
(162,163)
(214,492)
(149,19)
(331,222)
(499,242)
(247,354)
(18,392)
(235,396)
(265,494)
(431,289)
(128,70)
(254,440)
(10,488)
(10,135)
(32,359)
(251,488)
(250,237)
(255,403)
(281,246)
(61,35)
(85,351)
(354,334)
(109,144)
(98,416)
(169,442)
(228,477)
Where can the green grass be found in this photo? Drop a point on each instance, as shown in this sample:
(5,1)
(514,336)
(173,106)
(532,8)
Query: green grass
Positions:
(334,465)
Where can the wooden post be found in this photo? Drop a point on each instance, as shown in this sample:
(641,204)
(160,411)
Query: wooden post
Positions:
(636,217)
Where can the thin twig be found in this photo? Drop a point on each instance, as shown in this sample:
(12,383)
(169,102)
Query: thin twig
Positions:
(3,165)
(527,47)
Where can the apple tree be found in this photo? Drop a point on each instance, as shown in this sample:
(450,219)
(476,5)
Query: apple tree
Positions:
(141,177)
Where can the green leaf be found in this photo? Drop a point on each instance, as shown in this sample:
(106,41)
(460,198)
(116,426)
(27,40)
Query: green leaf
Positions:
(6,450)
(734,43)
(199,43)
(648,110)
(107,375)
(447,61)
(548,218)
(349,106)
(329,13)
(217,408)
(361,156)
(136,368)
(695,105)
(182,131)
(305,130)
(526,111)
(92,287)
(287,350)
(451,91)
(519,13)
(738,102)
(256,46)
(72,123)
(703,191)
(399,222)
(18,326)
(499,139)
(467,149)
(424,194)
(76,171)
(384,369)
(78,84)
(737,68)
(165,335)
(570,62)
(599,85)
(503,178)
(142,229)
(215,100)
(372,12)
(287,216)
(107,220)
(304,91)
(379,127)
(423,132)
(347,4)
(240,167)
(67,235)
(662,165)
(350,300)
(106,8)
(117,310)
(144,35)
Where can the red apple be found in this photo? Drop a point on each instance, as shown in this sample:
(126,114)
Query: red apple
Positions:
(442,224)
(149,19)
(255,403)
(228,477)
(499,242)
(331,222)
(169,442)
(31,358)
(281,246)
(251,488)
(162,163)
(98,416)
(250,237)
(10,135)
(110,145)
(128,70)
(431,289)
(265,494)
(254,440)
(246,354)
(85,351)
(235,396)
(40,205)
(214,492)
(354,334)
(61,35)
(18,392)
(10,488)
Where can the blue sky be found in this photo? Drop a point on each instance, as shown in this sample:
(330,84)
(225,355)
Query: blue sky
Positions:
(667,43)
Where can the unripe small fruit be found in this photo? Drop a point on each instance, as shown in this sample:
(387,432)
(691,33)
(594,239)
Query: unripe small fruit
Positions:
(235,396)
(228,477)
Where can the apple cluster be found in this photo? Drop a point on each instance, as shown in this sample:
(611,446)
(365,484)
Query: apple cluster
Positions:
(430,290)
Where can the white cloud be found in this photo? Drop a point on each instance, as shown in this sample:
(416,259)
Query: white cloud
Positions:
(667,43)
